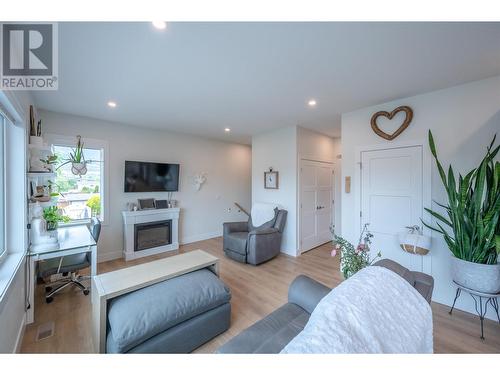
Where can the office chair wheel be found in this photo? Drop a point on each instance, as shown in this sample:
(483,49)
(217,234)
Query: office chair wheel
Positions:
(48,289)
(49,299)
(86,292)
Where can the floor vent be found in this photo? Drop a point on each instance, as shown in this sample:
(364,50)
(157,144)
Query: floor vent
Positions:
(45,331)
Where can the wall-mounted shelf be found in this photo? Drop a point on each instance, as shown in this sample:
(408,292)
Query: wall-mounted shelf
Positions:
(41,174)
(50,203)
(40,148)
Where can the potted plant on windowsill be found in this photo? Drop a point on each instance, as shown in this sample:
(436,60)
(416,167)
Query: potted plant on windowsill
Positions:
(473,215)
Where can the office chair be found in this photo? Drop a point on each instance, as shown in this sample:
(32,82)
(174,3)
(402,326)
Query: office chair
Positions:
(70,265)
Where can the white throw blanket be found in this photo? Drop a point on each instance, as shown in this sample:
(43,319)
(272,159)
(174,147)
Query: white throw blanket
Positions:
(262,213)
(374,311)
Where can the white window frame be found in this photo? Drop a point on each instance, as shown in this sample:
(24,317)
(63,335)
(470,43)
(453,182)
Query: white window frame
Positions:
(92,143)
(15,202)
(3,228)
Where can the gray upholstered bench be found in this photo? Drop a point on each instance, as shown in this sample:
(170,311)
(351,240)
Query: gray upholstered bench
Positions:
(174,316)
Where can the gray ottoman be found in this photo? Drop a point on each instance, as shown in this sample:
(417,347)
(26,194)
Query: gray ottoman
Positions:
(174,316)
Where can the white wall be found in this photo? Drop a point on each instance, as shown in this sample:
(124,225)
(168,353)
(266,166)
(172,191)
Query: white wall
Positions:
(282,150)
(12,313)
(278,149)
(202,213)
(319,147)
(463,120)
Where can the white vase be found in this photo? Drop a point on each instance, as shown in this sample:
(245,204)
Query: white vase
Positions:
(484,278)
(36,141)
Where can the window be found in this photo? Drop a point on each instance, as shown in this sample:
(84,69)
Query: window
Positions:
(13,202)
(2,186)
(80,197)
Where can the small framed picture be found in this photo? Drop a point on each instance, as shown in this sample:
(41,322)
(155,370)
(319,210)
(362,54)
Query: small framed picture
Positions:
(271,180)
(146,204)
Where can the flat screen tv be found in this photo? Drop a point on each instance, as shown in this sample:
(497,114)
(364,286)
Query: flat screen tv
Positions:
(150,177)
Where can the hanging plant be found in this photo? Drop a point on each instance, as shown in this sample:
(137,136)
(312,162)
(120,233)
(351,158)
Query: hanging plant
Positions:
(77,159)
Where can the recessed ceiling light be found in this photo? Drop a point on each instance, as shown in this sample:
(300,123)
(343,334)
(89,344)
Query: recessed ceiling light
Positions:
(111,104)
(227,130)
(160,25)
(312,103)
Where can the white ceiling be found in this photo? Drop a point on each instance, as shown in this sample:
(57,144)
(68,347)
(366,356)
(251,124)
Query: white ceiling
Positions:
(199,78)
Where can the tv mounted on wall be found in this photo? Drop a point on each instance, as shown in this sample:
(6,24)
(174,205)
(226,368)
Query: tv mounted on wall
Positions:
(150,177)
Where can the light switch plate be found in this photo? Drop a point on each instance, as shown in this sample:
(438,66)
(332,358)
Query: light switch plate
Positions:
(348,184)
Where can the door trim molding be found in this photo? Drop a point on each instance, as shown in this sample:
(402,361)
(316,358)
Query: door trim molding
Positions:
(426,185)
(317,161)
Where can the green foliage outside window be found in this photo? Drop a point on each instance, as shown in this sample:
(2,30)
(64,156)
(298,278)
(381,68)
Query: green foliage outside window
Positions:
(94,202)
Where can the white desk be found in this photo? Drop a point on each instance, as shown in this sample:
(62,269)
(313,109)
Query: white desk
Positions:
(116,283)
(72,240)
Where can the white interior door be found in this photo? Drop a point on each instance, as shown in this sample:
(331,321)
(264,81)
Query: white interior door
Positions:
(316,203)
(391,199)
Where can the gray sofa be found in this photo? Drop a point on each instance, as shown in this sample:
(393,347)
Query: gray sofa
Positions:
(271,334)
(174,316)
(254,245)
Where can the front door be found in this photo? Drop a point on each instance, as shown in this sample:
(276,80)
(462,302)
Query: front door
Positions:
(391,199)
(316,203)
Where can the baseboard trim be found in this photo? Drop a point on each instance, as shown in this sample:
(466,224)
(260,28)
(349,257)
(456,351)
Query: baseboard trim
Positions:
(107,256)
(20,336)
(289,253)
(200,237)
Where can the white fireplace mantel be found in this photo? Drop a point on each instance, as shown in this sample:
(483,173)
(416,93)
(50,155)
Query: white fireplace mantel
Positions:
(131,218)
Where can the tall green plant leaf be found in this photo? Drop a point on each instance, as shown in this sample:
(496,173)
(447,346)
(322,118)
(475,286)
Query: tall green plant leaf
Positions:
(434,153)
(439,217)
(473,208)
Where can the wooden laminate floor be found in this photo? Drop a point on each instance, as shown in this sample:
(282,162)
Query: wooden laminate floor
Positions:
(256,291)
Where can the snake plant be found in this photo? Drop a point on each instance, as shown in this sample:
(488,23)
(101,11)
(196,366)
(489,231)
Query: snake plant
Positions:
(473,209)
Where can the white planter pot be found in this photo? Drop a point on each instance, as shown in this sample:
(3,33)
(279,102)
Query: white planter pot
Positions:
(36,141)
(79,169)
(483,278)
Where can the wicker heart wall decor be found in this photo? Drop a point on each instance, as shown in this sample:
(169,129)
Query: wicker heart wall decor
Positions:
(390,115)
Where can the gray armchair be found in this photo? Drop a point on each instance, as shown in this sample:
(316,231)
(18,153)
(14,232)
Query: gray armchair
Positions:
(247,244)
